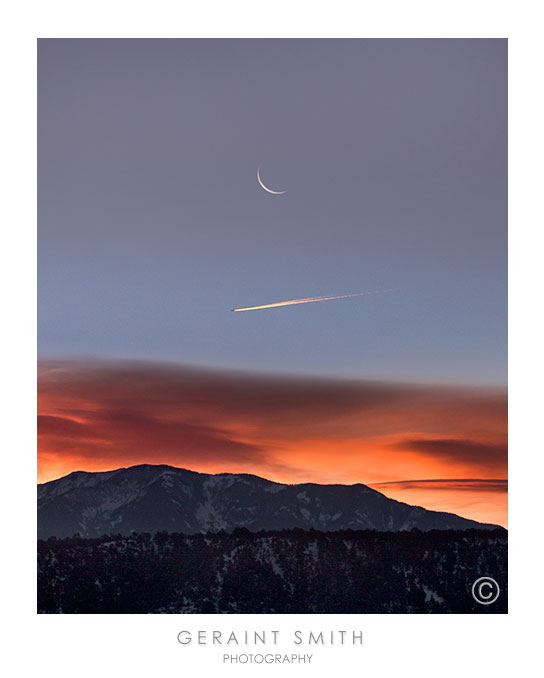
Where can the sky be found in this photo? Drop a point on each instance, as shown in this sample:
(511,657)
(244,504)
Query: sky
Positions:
(152,227)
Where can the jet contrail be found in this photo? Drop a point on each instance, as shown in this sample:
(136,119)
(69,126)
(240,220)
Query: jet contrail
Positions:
(308,300)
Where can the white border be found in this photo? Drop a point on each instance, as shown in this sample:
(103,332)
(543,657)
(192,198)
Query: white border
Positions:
(138,645)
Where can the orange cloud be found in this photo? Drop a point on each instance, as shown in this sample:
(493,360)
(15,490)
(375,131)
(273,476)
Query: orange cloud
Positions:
(100,416)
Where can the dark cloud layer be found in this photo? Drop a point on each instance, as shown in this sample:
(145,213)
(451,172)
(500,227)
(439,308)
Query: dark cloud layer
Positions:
(129,412)
(114,434)
(147,386)
(457,484)
(471,451)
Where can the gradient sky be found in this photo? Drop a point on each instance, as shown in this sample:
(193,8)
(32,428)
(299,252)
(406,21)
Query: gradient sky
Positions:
(152,227)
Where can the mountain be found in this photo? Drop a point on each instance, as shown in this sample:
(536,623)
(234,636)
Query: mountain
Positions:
(150,498)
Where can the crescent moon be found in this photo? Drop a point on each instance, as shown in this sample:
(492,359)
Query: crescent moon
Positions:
(269,190)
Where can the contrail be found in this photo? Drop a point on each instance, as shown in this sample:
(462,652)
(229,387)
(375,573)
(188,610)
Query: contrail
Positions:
(308,300)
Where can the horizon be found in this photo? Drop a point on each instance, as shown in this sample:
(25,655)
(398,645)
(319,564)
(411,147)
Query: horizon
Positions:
(302,483)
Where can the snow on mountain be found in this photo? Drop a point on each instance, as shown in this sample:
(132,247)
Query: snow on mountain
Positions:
(151,498)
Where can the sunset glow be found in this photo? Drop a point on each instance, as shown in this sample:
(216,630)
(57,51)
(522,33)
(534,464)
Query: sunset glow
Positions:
(442,448)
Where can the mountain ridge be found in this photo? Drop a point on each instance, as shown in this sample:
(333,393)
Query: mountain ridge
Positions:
(152,498)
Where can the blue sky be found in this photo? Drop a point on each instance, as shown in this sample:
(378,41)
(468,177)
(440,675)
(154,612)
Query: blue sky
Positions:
(152,225)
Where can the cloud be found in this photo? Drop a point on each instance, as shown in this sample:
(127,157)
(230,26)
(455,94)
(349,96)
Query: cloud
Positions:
(63,427)
(99,415)
(448,484)
(110,434)
(140,386)
(483,455)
